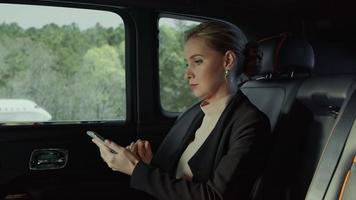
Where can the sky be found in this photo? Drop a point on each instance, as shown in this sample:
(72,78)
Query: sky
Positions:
(28,16)
(171,22)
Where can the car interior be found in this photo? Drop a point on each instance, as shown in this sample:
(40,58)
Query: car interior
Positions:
(305,82)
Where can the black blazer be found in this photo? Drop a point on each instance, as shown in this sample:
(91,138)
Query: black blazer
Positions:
(226,166)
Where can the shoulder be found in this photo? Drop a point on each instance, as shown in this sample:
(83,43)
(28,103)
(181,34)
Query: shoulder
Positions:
(192,110)
(243,107)
(246,114)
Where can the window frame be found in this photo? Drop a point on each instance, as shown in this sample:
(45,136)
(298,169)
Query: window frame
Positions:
(130,65)
(166,113)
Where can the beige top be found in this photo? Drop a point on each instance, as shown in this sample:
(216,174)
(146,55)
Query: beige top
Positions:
(212,113)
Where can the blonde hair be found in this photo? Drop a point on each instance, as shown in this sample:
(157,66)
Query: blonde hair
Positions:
(222,37)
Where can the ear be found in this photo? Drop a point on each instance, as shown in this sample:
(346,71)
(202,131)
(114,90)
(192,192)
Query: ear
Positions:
(229,60)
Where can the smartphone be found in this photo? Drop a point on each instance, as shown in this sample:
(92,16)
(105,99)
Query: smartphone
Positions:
(94,135)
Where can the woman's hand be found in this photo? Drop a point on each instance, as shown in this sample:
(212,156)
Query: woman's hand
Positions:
(142,149)
(117,157)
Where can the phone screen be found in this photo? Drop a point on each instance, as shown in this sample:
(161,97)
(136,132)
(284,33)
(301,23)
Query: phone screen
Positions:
(94,135)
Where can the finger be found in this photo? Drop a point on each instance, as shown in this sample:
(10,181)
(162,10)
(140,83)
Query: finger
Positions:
(141,148)
(147,146)
(131,145)
(134,148)
(104,150)
(97,142)
(100,144)
(112,145)
(130,155)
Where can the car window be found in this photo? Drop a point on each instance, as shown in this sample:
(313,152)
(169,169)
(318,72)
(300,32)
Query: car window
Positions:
(61,64)
(174,91)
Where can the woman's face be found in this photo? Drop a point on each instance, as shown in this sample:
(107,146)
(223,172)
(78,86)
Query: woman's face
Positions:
(205,70)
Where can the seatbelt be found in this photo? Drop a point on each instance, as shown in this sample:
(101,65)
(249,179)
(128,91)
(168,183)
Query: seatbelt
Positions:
(332,151)
(350,182)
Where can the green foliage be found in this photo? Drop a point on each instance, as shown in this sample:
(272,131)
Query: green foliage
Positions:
(73,74)
(79,74)
(175,92)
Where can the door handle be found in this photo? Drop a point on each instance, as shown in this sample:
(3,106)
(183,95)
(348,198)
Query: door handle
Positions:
(49,161)
(46,159)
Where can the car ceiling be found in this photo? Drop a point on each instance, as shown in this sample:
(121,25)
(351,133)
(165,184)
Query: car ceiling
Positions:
(331,14)
(307,7)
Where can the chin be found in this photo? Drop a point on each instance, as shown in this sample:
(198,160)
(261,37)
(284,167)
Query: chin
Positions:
(198,94)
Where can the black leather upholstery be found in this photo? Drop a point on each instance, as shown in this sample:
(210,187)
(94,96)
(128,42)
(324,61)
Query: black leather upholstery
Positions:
(295,55)
(272,97)
(276,94)
(342,88)
(302,122)
(324,97)
(276,97)
(268,60)
(343,166)
(286,54)
(303,111)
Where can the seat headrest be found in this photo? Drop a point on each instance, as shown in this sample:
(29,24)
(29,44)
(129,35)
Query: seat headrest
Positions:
(285,54)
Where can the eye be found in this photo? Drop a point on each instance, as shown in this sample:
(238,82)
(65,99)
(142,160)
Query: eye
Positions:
(198,61)
(186,65)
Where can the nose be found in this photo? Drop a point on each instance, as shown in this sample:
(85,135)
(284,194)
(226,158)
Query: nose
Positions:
(188,73)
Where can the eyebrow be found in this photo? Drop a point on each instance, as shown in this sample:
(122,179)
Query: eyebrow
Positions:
(195,56)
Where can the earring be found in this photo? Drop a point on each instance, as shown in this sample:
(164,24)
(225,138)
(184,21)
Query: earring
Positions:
(227,72)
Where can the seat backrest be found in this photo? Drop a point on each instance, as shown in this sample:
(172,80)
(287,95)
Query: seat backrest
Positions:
(339,149)
(348,191)
(274,92)
(324,97)
(302,134)
(279,75)
(347,162)
(303,111)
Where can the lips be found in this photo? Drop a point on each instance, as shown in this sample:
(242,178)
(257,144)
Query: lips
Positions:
(193,86)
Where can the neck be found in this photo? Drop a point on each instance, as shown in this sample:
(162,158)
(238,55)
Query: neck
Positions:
(230,88)
(219,95)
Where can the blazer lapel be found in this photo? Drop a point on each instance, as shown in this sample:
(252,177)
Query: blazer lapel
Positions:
(182,133)
(189,137)
(203,162)
(177,139)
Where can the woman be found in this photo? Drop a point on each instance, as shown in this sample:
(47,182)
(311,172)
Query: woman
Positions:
(217,148)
